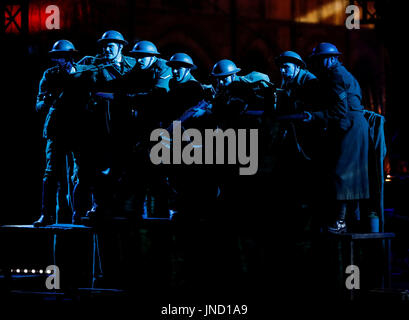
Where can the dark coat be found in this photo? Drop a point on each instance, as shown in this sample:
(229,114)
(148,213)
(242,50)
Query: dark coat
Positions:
(297,138)
(181,97)
(108,121)
(62,97)
(245,93)
(142,92)
(346,149)
(161,73)
(300,92)
(156,77)
(102,77)
(377,156)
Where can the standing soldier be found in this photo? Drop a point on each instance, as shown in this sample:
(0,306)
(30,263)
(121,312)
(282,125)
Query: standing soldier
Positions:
(59,95)
(145,87)
(107,121)
(184,94)
(347,134)
(294,148)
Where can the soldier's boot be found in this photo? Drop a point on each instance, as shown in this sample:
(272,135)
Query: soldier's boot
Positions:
(48,204)
(339,225)
(93,214)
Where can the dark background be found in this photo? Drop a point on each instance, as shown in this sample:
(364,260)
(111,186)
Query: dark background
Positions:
(249,32)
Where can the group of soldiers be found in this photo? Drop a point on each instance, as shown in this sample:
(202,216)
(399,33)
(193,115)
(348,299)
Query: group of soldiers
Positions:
(100,110)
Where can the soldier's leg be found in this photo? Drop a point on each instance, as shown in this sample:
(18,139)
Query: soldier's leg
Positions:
(81,188)
(48,207)
(64,165)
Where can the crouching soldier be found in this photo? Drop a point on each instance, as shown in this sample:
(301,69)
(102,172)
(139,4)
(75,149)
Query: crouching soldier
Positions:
(295,144)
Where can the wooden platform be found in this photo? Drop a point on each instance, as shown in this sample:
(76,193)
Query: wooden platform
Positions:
(54,232)
(365,236)
(386,252)
(53,228)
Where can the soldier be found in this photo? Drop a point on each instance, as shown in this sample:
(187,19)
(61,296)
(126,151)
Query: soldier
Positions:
(107,122)
(240,102)
(59,95)
(347,133)
(146,55)
(296,80)
(111,44)
(294,147)
(185,91)
(142,90)
(236,95)
(184,95)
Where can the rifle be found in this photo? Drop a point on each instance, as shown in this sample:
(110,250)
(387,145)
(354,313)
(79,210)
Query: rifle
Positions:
(191,112)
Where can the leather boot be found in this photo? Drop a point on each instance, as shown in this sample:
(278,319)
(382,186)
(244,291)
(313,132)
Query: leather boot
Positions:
(92,215)
(44,220)
(48,204)
(339,225)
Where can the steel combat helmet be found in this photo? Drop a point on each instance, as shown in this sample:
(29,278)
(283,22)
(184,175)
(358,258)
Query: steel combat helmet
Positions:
(290,56)
(182,60)
(325,49)
(144,47)
(113,36)
(62,47)
(224,68)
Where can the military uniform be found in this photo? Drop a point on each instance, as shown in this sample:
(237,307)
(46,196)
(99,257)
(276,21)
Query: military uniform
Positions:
(108,121)
(245,93)
(143,91)
(161,74)
(61,96)
(181,97)
(295,141)
(300,90)
(242,195)
(195,190)
(347,134)
(140,95)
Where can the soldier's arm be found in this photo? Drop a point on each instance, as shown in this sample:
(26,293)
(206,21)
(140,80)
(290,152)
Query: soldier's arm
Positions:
(87,60)
(44,96)
(339,104)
